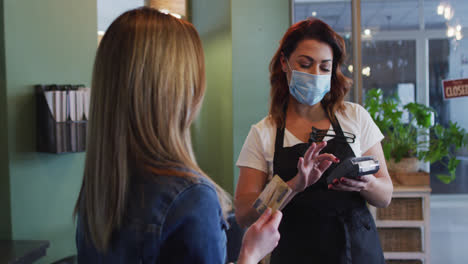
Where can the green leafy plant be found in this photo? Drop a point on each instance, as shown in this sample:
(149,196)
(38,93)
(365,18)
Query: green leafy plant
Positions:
(416,135)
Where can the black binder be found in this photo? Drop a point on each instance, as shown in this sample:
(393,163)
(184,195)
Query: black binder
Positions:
(63,136)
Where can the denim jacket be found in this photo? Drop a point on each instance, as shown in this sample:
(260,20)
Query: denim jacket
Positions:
(170,219)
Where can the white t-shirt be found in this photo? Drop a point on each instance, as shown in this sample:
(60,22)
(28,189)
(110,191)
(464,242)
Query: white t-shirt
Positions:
(259,147)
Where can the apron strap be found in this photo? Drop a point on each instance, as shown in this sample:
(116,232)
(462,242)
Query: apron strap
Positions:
(278,145)
(279,137)
(337,127)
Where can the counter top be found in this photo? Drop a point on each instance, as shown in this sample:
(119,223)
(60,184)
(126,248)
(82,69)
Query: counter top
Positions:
(22,251)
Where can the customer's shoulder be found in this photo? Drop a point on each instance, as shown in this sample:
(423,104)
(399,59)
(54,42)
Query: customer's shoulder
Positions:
(154,193)
(158,189)
(173,182)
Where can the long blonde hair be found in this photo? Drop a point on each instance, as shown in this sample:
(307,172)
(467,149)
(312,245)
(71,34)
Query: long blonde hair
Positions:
(148,84)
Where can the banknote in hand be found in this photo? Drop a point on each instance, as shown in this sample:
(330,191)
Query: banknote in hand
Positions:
(274,195)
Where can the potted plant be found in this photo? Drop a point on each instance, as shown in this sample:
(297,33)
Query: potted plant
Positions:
(412,136)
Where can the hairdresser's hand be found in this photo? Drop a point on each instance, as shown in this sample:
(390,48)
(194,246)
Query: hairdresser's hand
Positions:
(261,237)
(311,167)
(352,185)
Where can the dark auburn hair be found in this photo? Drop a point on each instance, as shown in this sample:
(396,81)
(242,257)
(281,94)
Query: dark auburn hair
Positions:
(340,84)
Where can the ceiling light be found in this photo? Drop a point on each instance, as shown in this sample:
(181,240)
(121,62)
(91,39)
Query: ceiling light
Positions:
(350,68)
(440,9)
(164,11)
(450,32)
(176,8)
(448,13)
(459,27)
(176,15)
(314,13)
(366,71)
(367,32)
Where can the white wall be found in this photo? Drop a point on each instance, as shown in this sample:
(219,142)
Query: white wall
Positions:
(108,10)
(449,229)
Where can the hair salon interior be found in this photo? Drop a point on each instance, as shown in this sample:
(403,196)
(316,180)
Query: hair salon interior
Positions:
(410,51)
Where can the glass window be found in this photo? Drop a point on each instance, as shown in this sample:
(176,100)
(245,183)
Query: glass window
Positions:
(448,60)
(440,14)
(389,65)
(337,14)
(378,15)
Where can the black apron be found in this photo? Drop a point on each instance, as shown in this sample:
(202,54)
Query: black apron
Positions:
(321,225)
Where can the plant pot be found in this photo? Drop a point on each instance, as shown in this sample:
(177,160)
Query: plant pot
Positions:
(406,165)
(406,172)
(420,178)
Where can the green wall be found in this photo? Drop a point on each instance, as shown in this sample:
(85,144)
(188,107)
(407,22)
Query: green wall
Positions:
(212,131)
(5,217)
(48,41)
(257,27)
(239,38)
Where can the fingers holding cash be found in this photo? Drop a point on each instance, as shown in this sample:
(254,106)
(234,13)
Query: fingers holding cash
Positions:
(273,196)
(261,237)
(311,167)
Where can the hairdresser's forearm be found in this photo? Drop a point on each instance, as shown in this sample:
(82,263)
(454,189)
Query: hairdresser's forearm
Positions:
(290,196)
(378,192)
(245,213)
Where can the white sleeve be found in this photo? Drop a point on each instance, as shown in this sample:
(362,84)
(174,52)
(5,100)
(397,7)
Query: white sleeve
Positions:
(370,132)
(252,153)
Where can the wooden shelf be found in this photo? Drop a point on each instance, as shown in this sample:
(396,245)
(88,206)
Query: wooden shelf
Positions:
(397,223)
(411,189)
(409,210)
(405,255)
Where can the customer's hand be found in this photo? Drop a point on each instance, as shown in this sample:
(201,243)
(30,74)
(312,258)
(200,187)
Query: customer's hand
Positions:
(352,185)
(261,237)
(311,167)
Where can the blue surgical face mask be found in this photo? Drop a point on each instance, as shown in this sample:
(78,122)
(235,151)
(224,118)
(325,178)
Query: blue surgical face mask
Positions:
(308,88)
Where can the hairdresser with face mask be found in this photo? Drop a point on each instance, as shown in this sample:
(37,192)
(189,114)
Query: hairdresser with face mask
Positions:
(308,132)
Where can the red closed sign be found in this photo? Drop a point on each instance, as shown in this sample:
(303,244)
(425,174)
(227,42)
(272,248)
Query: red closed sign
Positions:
(455,88)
